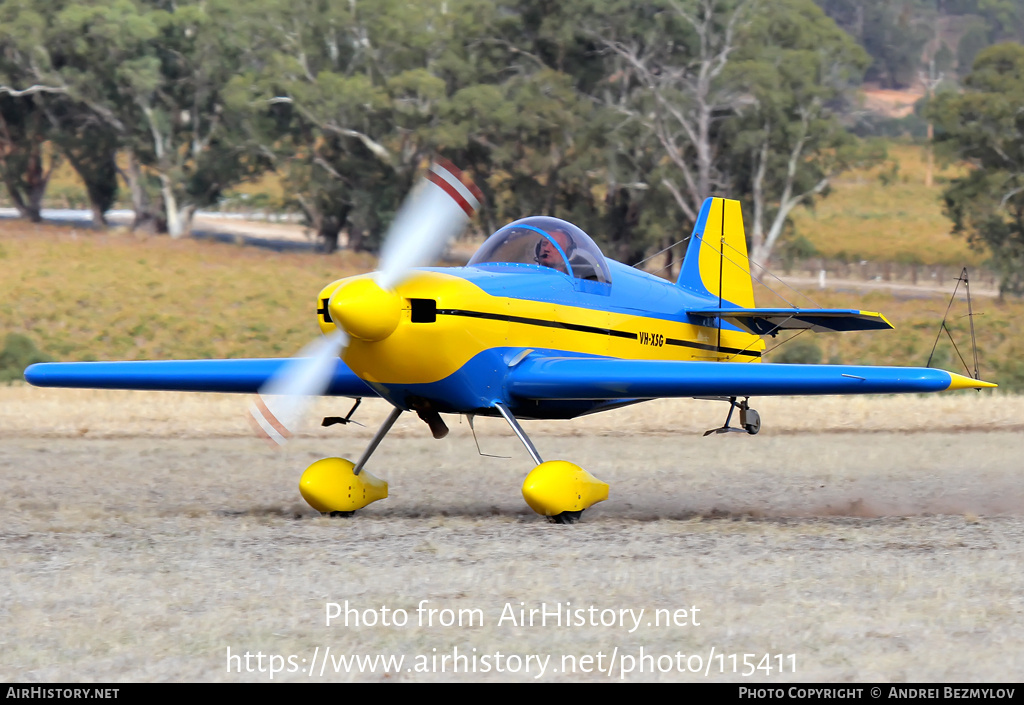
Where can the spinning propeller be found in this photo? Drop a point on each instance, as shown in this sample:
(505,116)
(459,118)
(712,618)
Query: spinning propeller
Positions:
(369,308)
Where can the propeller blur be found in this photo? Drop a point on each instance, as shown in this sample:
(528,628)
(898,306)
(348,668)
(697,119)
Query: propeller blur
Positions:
(434,213)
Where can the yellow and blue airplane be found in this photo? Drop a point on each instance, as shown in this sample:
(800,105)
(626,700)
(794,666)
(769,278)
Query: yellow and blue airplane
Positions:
(538,325)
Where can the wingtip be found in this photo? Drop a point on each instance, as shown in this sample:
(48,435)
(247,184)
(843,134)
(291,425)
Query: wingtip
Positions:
(34,374)
(881,317)
(961,382)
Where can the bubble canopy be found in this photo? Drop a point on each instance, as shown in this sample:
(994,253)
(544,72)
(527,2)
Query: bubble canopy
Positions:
(546,242)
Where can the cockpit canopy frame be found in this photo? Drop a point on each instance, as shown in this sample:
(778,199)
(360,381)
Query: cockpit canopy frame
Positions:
(547,243)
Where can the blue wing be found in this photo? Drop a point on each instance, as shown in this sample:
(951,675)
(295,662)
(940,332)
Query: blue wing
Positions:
(550,378)
(242,376)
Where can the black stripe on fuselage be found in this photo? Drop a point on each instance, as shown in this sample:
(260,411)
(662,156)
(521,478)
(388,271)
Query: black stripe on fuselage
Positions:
(536,322)
(589,329)
(711,348)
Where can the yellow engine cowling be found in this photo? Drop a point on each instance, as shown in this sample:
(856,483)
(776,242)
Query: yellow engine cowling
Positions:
(323,314)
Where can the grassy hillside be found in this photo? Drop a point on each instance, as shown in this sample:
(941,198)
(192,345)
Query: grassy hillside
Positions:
(82,295)
(887,214)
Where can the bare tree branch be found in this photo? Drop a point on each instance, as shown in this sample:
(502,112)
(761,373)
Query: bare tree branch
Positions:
(32,90)
(687,100)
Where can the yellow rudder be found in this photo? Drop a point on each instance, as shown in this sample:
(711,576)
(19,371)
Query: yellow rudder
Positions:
(723,255)
(716,260)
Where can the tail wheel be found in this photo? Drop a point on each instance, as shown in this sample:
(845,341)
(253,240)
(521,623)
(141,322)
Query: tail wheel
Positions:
(751,421)
(566,517)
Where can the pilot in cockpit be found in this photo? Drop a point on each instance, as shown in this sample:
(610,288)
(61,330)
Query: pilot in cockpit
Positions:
(536,241)
(548,255)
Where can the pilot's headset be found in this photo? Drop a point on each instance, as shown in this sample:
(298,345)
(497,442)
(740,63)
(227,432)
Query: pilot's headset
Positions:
(568,250)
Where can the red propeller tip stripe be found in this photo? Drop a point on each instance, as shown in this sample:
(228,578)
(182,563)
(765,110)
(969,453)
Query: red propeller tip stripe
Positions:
(266,424)
(455,183)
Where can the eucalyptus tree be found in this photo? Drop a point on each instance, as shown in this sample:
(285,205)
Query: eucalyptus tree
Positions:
(984,126)
(90,146)
(742,98)
(787,141)
(26,164)
(146,79)
(525,137)
(1004,17)
(343,102)
(183,130)
(355,99)
(529,118)
(893,32)
(675,67)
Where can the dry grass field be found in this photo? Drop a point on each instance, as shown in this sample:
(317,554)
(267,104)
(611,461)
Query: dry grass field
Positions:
(880,539)
(83,294)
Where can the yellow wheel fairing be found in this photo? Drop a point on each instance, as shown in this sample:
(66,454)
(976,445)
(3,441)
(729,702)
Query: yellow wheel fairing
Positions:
(470,321)
(328,485)
(560,486)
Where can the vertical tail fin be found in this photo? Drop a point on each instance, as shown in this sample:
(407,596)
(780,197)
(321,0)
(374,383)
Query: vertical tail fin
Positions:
(716,263)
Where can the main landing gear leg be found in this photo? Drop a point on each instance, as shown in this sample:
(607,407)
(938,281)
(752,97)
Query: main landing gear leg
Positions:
(377,438)
(557,489)
(336,486)
(750,420)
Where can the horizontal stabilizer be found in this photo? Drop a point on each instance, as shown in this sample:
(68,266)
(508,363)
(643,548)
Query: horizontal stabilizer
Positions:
(244,376)
(544,378)
(768,321)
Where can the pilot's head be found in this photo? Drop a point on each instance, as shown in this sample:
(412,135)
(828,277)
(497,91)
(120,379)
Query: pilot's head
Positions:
(548,255)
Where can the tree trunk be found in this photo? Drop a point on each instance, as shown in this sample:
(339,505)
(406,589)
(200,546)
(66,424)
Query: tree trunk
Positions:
(356,237)
(331,227)
(26,210)
(176,225)
(144,219)
(100,193)
(35,198)
(28,195)
(329,236)
(99,216)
